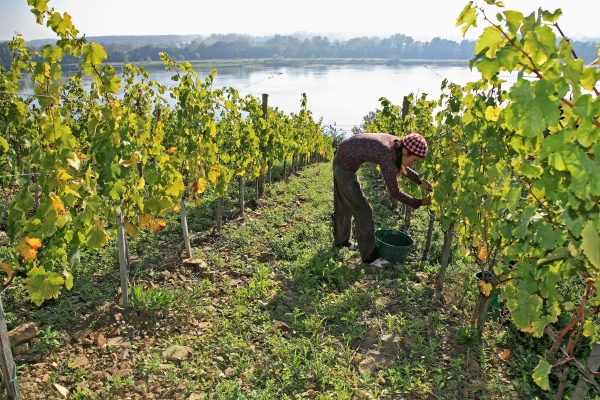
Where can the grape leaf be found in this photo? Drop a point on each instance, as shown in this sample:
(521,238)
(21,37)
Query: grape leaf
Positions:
(68,279)
(490,41)
(541,373)
(97,237)
(590,244)
(590,329)
(43,285)
(467,17)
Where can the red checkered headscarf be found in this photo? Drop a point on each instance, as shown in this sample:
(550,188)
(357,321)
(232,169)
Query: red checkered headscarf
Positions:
(416,144)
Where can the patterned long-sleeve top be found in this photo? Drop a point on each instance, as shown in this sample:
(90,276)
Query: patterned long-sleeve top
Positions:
(377,148)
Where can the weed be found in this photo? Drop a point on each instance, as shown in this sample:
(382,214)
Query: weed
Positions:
(50,340)
(150,299)
(331,272)
(83,393)
(468,335)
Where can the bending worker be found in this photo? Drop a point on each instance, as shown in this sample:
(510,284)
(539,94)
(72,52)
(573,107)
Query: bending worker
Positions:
(394,156)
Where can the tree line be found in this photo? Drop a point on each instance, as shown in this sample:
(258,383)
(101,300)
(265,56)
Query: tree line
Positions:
(394,49)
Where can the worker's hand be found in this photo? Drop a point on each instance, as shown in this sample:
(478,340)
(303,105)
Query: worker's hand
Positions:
(426,183)
(426,201)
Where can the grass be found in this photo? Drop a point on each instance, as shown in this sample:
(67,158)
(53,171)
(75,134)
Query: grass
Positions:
(274,311)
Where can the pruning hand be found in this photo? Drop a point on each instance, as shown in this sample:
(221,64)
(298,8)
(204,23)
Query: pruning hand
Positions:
(426,182)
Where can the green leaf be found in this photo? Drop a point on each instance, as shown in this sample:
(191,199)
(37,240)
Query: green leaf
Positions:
(55,131)
(68,279)
(539,44)
(547,16)
(588,134)
(60,24)
(557,254)
(590,244)
(97,238)
(526,309)
(513,21)
(530,170)
(584,107)
(176,188)
(43,285)
(573,220)
(4,144)
(590,329)
(589,78)
(488,67)
(52,54)
(467,17)
(93,54)
(490,42)
(541,373)
(555,142)
(117,190)
(513,197)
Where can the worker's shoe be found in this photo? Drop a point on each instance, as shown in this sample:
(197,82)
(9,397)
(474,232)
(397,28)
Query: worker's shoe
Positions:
(380,263)
(349,245)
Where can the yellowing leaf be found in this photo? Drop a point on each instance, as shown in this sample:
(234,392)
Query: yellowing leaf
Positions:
(7,267)
(26,252)
(75,162)
(157,225)
(172,151)
(62,175)
(505,355)
(68,279)
(200,185)
(57,203)
(483,253)
(492,113)
(485,288)
(130,229)
(141,183)
(34,243)
(145,220)
(213,174)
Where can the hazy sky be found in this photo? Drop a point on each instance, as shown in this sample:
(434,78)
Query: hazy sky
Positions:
(421,19)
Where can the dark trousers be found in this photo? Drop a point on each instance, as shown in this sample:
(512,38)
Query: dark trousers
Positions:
(349,201)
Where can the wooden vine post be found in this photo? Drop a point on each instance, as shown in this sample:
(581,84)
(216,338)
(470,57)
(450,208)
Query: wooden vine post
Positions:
(123,264)
(591,367)
(261,179)
(429,235)
(7,364)
(242,182)
(407,209)
(219,216)
(445,258)
(184,228)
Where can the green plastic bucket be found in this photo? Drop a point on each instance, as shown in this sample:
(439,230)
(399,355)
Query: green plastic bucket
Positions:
(393,246)
(496,303)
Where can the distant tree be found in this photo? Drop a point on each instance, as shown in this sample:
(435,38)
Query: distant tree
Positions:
(5,55)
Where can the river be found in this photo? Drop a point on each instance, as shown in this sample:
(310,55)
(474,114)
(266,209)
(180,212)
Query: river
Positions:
(338,95)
